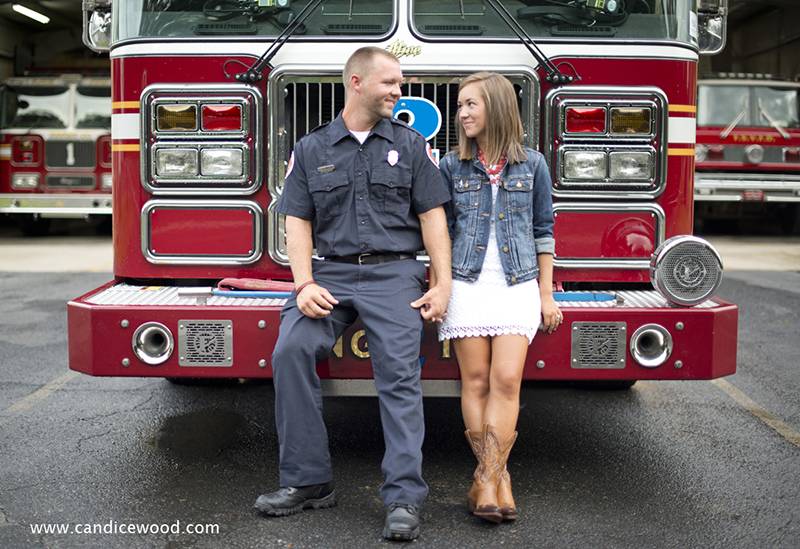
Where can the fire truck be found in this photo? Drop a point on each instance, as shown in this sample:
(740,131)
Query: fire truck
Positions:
(748,149)
(210,96)
(55,149)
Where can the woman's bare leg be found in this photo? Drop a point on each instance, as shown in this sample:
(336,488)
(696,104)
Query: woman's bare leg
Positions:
(508,354)
(474,359)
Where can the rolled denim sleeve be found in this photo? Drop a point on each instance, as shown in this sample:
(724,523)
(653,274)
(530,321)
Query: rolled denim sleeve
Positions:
(542,207)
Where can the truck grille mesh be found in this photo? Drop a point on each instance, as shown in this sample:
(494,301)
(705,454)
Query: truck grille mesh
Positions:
(686,272)
(205,343)
(598,345)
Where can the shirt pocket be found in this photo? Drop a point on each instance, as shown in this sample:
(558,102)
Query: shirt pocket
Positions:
(520,192)
(390,190)
(328,190)
(467,193)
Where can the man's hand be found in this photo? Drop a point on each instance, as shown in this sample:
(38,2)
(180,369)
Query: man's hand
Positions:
(314,301)
(433,304)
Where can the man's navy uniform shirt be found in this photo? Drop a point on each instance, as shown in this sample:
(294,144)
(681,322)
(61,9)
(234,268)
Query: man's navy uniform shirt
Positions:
(363,198)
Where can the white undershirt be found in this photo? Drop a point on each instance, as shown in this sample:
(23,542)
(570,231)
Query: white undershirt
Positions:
(361,136)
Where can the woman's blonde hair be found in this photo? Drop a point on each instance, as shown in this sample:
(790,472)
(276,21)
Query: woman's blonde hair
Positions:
(503,124)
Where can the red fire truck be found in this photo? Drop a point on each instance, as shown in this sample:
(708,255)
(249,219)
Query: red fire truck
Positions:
(748,149)
(55,149)
(210,96)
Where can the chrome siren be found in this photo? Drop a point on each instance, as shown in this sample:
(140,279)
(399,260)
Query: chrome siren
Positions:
(651,345)
(153,343)
(686,270)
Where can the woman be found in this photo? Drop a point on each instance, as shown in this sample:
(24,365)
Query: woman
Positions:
(501,222)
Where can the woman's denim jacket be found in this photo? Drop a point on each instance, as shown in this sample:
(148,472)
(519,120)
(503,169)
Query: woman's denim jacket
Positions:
(523,215)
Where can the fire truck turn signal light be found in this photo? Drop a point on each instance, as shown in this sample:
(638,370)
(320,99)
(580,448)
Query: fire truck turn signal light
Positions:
(631,120)
(25,151)
(106,182)
(176,118)
(221,118)
(585,120)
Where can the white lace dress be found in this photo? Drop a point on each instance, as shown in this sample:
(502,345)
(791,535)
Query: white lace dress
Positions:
(488,306)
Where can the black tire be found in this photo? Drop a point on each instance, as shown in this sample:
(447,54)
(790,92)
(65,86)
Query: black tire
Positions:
(606,385)
(34,226)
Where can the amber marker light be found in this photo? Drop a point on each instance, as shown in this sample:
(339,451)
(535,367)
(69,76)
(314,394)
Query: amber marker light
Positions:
(631,120)
(221,118)
(176,118)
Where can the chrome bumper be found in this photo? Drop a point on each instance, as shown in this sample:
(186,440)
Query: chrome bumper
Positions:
(729,187)
(56,205)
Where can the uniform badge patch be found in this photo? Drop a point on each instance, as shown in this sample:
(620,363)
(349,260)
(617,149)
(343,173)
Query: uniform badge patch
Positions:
(289,166)
(392,157)
(433,154)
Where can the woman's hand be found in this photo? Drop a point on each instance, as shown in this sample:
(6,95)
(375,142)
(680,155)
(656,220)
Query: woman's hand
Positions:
(551,314)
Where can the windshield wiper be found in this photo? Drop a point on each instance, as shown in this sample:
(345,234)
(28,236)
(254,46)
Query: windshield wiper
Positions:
(253,74)
(735,122)
(772,121)
(554,75)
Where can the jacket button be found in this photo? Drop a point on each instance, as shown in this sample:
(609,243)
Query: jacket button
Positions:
(519,184)
(505,249)
(501,215)
(513,279)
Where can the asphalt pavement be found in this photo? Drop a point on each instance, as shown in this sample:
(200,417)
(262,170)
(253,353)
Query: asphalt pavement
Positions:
(665,464)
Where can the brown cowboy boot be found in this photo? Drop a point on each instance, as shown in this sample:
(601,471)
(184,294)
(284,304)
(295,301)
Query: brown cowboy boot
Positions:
(475,442)
(482,497)
(505,499)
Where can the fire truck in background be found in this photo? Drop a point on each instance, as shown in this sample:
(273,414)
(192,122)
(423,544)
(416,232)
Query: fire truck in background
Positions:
(748,149)
(55,149)
(210,96)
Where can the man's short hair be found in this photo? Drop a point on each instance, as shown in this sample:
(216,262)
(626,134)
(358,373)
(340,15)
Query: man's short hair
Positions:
(360,62)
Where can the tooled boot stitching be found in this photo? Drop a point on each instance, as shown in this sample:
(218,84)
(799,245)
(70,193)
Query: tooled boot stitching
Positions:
(505,497)
(486,477)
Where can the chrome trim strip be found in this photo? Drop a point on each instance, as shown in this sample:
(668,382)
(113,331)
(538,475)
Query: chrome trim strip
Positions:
(251,125)
(320,74)
(645,96)
(56,205)
(622,263)
(157,259)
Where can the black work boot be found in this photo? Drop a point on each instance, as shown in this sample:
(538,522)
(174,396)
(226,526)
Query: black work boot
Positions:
(402,522)
(291,500)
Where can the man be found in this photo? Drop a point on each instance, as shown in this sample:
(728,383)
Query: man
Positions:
(364,189)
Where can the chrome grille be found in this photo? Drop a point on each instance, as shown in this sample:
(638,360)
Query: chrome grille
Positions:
(736,153)
(598,345)
(205,343)
(70,154)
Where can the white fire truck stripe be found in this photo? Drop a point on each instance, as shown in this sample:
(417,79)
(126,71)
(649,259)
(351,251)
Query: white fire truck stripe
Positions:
(125,126)
(5,152)
(682,130)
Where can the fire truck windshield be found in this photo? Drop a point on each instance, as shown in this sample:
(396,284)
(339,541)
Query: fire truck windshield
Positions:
(207,19)
(37,107)
(93,107)
(674,20)
(754,106)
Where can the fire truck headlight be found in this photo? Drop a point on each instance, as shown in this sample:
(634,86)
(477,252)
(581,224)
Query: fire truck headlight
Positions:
(106,181)
(25,181)
(755,154)
(686,270)
(221,162)
(586,165)
(631,165)
(700,153)
(176,163)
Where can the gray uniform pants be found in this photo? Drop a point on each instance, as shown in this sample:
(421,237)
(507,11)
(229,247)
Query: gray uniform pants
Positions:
(380,295)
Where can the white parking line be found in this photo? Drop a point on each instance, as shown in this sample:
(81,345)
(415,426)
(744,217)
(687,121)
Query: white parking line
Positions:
(40,394)
(780,426)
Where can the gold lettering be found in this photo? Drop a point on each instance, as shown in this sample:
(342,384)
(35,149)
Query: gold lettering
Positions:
(446,348)
(399,49)
(356,347)
(337,349)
